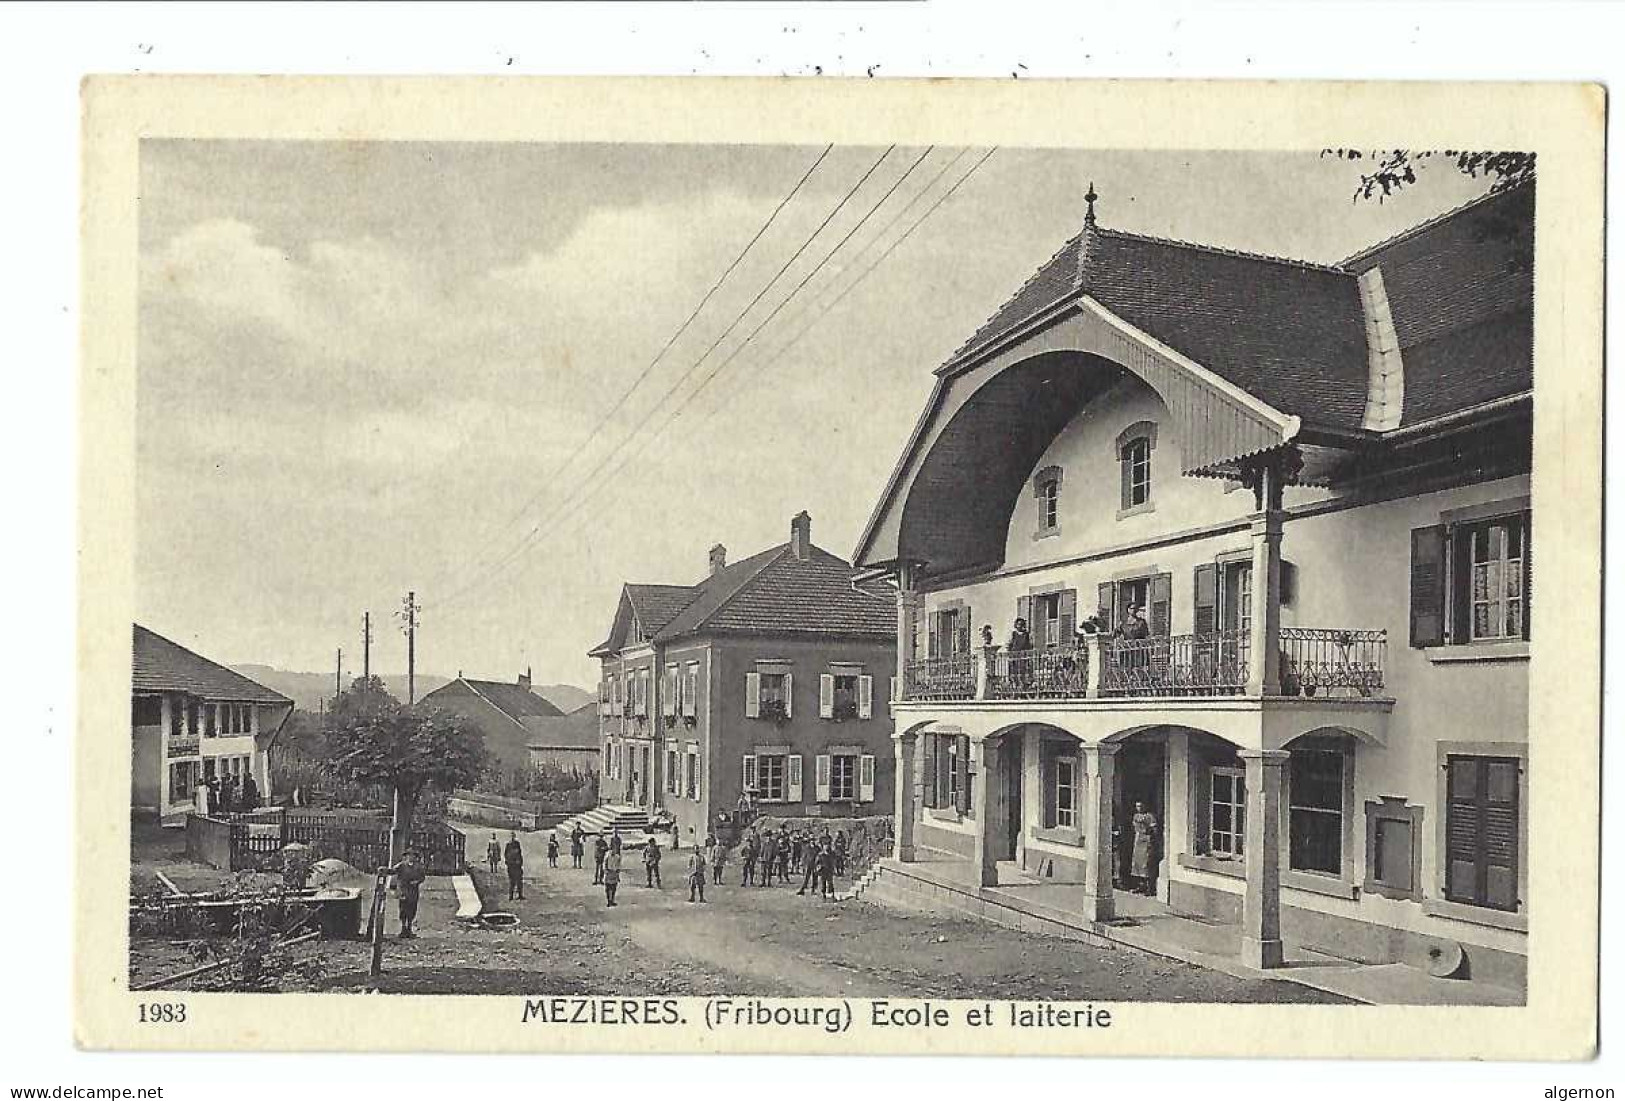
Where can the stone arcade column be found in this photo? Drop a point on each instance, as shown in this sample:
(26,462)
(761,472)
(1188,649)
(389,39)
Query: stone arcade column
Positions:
(989,807)
(903,787)
(1099,768)
(1261,908)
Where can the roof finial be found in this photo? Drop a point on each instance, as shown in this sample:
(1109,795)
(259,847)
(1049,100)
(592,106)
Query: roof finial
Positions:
(1089,213)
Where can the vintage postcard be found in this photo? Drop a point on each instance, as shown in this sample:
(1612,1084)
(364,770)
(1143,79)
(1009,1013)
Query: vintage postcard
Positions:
(801,566)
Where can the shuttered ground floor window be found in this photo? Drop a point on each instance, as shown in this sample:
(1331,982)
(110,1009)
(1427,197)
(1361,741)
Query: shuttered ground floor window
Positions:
(1482,831)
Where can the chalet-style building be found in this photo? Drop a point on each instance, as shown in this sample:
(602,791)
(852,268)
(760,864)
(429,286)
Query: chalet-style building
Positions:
(759,679)
(192,719)
(1315,480)
(506,714)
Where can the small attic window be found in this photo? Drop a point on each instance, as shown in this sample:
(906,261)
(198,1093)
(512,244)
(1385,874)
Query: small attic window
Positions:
(1047,495)
(1134,446)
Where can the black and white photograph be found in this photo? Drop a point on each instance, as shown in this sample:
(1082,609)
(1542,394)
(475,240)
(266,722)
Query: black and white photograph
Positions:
(828,583)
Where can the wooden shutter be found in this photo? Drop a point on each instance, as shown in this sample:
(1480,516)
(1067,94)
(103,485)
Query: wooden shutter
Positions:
(1161,600)
(962,767)
(866,778)
(928,770)
(866,696)
(1069,616)
(826,696)
(789,694)
(747,773)
(1047,772)
(668,706)
(923,646)
(1108,602)
(1481,831)
(933,648)
(1289,584)
(821,777)
(962,630)
(792,776)
(691,691)
(1206,600)
(1427,586)
(753,695)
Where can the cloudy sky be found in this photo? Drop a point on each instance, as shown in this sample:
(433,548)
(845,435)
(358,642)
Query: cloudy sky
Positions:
(372,367)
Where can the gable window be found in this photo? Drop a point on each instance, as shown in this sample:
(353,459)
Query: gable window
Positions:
(1471,580)
(1134,447)
(1047,498)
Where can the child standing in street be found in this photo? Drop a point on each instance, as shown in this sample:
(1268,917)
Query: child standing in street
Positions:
(553,850)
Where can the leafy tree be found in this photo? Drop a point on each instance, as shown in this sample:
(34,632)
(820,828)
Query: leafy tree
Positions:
(365,695)
(408,750)
(1392,170)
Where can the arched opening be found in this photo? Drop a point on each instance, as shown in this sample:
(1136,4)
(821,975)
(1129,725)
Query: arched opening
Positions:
(982,459)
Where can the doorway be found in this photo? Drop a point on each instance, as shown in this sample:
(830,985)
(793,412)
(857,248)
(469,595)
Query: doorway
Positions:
(1141,766)
(1010,764)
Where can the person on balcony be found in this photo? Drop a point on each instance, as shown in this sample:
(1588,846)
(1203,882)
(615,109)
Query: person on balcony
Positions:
(1020,639)
(1143,853)
(251,792)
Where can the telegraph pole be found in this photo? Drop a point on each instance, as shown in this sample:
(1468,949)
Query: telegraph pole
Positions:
(409,619)
(338,675)
(366,647)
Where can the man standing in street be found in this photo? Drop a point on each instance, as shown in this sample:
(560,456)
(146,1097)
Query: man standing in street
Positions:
(493,853)
(515,857)
(612,875)
(747,857)
(651,863)
(577,848)
(409,877)
(696,874)
(600,851)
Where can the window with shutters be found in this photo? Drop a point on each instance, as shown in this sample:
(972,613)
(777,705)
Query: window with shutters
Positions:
(691,691)
(1482,834)
(771,776)
(773,694)
(843,776)
(1471,581)
(844,704)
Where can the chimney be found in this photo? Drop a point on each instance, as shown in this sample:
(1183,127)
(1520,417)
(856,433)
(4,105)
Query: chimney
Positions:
(524,679)
(719,557)
(801,535)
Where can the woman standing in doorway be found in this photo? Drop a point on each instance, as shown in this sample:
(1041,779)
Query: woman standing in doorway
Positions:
(1143,855)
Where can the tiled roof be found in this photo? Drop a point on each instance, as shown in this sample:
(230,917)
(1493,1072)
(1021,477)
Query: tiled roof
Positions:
(1461,290)
(164,666)
(577,730)
(658,605)
(1292,333)
(815,595)
(775,592)
(514,700)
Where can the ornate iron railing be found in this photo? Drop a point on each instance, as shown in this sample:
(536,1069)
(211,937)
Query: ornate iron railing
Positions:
(1056,672)
(942,678)
(1180,665)
(1327,660)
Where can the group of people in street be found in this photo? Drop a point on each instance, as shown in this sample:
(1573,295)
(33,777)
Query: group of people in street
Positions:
(771,856)
(228,793)
(768,856)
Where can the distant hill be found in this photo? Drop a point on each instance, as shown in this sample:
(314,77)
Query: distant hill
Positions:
(566,697)
(308,691)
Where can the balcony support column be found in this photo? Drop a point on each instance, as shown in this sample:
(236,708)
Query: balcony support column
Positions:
(1264,641)
(908,614)
(1094,651)
(985,657)
(1099,773)
(905,797)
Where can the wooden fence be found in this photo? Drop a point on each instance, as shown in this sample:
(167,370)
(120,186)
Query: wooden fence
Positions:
(360,839)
